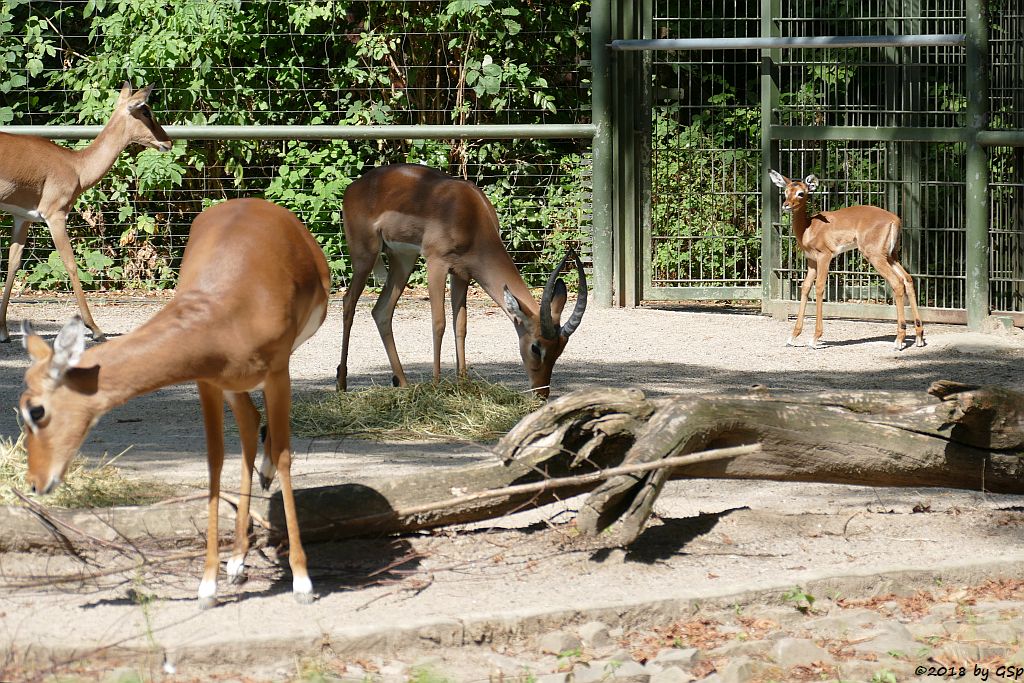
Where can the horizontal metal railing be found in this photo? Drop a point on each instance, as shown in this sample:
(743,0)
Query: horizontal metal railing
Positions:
(797,42)
(343,132)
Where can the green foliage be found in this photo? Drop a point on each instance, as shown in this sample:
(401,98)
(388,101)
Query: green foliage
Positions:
(92,265)
(698,230)
(229,62)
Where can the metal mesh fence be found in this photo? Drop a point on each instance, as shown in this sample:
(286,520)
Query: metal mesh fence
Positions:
(1006,50)
(705,168)
(234,62)
(908,86)
(707,154)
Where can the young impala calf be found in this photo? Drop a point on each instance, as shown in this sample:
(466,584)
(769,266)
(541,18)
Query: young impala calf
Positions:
(875,231)
(40,181)
(253,286)
(405,210)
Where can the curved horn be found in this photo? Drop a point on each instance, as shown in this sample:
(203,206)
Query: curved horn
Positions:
(547,326)
(581,298)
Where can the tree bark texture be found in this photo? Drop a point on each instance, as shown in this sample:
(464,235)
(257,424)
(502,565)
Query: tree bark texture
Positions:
(954,436)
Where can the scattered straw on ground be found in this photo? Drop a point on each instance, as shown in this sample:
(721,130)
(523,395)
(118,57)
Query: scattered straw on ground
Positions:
(85,485)
(470,409)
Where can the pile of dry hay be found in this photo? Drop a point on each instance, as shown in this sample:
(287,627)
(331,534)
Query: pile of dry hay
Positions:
(85,485)
(470,409)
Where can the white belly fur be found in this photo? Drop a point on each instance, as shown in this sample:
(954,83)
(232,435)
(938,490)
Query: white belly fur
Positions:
(403,248)
(316,318)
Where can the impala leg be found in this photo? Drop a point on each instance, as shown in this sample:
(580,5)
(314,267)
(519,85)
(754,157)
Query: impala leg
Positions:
(211,399)
(908,282)
(18,236)
(59,233)
(400,267)
(437,276)
(248,419)
(819,290)
(361,269)
(459,286)
(278,394)
(899,290)
(805,290)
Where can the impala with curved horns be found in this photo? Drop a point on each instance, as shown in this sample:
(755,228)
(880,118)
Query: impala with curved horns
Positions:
(823,236)
(40,181)
(253,287)
(404,210)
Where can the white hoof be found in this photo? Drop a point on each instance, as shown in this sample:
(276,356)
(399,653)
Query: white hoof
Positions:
(266,473)
(207,594)
(302,589)
(919,342)
(236,571)
(793,341)
(817,344)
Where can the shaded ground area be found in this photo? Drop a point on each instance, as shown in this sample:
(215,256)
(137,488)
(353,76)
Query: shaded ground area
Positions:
(502,583)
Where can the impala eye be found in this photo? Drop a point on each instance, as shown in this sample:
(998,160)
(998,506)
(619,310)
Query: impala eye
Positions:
(535,349)
(33,414)
(800,193)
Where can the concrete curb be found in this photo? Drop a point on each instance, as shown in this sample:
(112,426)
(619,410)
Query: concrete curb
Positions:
(360,640)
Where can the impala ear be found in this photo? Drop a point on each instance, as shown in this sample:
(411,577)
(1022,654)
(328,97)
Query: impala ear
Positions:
(38,350)
(778,179)
(67,347)
(812,182)
(513,309)
(126,91)
(139,98)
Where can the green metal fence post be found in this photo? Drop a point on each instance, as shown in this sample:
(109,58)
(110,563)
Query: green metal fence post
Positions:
(625,96)
(977,208)
(600,93)
(771,287)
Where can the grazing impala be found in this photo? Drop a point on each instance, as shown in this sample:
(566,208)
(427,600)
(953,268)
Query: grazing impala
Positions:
(40,181)
(406,210)
(253,286)
(875,231)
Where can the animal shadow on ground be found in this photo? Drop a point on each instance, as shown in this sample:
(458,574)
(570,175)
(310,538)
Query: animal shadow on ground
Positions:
(910,341)
(665,540)
(338,562)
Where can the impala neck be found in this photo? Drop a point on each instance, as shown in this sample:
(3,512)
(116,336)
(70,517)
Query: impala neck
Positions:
(801,221)
(166,350)
(95,160)
(498,272)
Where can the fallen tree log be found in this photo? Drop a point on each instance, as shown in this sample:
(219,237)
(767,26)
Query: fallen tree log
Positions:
(955,436)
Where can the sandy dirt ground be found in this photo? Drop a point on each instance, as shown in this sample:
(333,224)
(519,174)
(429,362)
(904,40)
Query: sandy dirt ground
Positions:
(709,541)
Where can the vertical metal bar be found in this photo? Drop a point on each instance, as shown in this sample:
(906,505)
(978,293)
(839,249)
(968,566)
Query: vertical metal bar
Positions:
(911,153)
(624,98)
(977,209)
(600,94)
(770,284)
(644,113)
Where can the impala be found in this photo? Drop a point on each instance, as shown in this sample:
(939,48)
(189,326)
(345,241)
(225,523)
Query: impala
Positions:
(875,231)
(253,287)
(40,181)
(405,210)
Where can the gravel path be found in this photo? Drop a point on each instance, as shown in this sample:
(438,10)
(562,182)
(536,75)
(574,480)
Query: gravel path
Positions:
(710,574)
